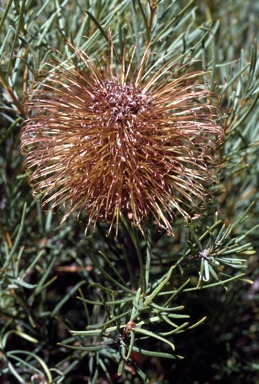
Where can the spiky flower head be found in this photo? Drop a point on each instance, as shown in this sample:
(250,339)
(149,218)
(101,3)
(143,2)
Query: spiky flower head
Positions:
(137,140)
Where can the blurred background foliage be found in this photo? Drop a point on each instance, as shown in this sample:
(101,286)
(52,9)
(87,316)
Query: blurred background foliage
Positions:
(130,300)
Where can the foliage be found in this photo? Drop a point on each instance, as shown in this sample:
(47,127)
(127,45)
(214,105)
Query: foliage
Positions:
(124,308)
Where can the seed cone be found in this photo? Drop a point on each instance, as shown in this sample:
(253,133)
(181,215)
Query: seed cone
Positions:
(121,139)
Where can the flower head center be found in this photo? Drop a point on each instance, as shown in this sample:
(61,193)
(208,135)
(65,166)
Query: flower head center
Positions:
(121,102)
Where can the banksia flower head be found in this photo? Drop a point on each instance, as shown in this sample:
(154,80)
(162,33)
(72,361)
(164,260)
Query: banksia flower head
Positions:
(121,139)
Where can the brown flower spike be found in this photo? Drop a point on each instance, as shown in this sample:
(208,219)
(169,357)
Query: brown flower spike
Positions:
(122,139)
